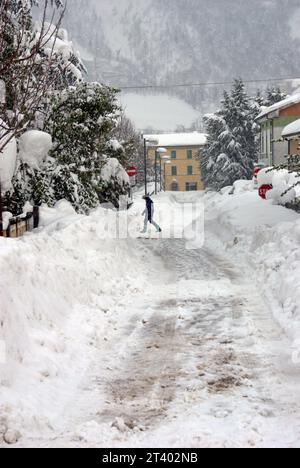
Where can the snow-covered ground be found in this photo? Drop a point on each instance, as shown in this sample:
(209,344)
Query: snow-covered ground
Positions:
(149,342)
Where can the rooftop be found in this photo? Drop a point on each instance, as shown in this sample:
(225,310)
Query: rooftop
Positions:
(289,101)
(179,139)
(293,129)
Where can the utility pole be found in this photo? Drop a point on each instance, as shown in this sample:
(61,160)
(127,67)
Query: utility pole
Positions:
(160,169)
(145,166)
(153,142)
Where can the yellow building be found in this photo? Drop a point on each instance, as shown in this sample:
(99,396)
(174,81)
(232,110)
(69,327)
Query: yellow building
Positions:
(182,172)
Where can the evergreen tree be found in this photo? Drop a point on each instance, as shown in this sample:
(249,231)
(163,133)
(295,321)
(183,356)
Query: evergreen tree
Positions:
(232,145)
(81,123)
(274,95)
(32,63)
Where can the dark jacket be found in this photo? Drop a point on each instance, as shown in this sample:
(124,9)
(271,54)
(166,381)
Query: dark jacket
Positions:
(149,208)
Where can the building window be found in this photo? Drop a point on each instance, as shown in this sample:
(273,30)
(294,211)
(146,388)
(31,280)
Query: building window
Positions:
(174,187)
(190,154)
(190,170)
(173,154)
(174,171)
(191,186)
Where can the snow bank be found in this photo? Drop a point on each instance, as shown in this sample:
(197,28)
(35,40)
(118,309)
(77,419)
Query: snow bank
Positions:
(6,216)
(34,147)
(265,240)
(241,186)
(61,297)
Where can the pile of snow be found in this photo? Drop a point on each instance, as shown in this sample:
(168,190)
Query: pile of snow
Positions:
(241,186)
(34,147)
(113,168)
(8,157)
(62,291)
(283,183)
(6,216)
(264,239)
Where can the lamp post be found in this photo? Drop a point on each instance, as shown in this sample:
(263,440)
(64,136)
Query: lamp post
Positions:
(167,161)
(147,142)
(158,153)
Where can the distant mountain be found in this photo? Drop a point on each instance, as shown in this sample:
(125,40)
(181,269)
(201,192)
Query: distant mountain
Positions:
(138,42)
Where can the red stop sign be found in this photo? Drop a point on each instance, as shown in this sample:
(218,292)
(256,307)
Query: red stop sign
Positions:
(264,189)
(132,171)
(257,169)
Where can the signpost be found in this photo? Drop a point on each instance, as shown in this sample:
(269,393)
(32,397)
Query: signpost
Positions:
(132,171)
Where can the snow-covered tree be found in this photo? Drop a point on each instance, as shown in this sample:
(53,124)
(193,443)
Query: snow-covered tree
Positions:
(35,59)
(274,95)
(232,145)
(269,97)
(81,123)
(132,143)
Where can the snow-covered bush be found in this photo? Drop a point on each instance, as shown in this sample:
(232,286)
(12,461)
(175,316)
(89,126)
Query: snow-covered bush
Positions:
(114,182)
(31,182)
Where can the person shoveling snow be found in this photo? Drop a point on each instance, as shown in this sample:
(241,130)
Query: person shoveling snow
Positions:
(148,213)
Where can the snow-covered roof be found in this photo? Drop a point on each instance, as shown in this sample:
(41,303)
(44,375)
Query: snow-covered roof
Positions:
(292,129)
(179,139)
(289,101)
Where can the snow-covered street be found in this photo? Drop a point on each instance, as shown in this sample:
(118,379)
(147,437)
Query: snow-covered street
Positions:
(149,227)
(162,346)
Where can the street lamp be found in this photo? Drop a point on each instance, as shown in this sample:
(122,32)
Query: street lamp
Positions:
(147,142)
(158,153)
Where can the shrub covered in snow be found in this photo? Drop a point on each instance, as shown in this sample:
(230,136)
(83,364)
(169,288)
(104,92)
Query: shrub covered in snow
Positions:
(114,182)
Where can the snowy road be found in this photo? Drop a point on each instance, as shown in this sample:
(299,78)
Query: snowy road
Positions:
(199,362)
(196,361)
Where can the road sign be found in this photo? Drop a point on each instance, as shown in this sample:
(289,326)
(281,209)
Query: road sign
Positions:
(264,189)
(257,169)
(132,171)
